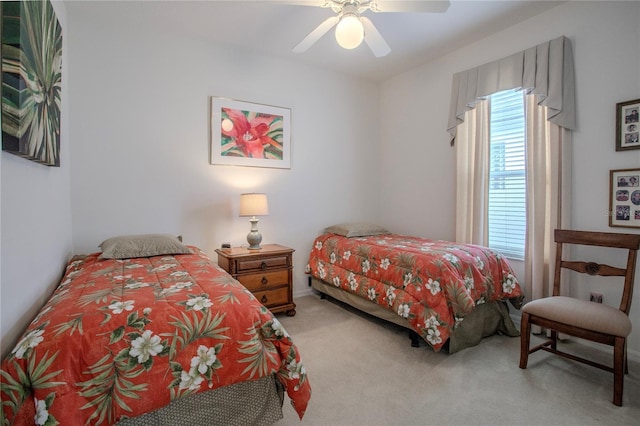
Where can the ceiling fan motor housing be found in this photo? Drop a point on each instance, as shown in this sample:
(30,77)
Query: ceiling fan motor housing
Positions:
(353,6)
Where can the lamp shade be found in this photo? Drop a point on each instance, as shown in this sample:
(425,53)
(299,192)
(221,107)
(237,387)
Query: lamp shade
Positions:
(253,204)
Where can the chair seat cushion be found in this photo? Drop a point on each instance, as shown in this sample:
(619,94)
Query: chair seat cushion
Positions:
(580,313)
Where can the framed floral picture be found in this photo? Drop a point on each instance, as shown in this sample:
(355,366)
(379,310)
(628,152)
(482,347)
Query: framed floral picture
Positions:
(250,134)
(627,125)
(31,80)
(624,198)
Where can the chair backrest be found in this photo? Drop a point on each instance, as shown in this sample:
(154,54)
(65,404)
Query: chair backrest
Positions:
(631,242)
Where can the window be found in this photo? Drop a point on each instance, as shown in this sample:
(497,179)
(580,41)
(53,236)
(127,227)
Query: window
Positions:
(507,177)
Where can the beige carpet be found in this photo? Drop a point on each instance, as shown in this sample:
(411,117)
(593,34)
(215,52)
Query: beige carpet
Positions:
(364,372)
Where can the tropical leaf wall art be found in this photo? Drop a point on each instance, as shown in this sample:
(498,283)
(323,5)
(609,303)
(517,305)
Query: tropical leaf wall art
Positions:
(31,80)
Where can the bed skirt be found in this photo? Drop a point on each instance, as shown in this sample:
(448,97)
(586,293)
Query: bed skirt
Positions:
(257,402)
(485,320)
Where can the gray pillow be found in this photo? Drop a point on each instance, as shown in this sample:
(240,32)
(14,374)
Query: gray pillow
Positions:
(356,229)
(147,245)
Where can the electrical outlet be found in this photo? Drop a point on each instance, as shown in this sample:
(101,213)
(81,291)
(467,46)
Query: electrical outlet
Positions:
(595,297)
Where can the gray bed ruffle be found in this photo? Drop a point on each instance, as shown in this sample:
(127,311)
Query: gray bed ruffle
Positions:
(485,320)
(257,402)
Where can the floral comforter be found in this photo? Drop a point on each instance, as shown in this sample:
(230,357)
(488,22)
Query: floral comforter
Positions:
(431,284)
(124,337)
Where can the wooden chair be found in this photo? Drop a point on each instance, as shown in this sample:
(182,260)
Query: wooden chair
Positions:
(584,319)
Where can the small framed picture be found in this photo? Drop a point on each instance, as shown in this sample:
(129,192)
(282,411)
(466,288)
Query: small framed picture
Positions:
(627,125)
(624,198)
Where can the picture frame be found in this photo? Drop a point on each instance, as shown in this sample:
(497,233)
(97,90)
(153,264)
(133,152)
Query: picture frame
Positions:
(31,81)
(250,134)
(628,125)
(624,198)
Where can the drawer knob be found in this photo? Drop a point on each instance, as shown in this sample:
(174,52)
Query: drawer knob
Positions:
(265,281)
(263,265)
(264,299)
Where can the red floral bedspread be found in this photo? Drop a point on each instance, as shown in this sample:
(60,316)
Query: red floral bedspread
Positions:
(432,284)
(124,337)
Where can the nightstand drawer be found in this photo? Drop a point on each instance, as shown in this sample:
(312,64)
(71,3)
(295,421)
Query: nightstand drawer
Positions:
(271,298)
(265,280)
(247,265)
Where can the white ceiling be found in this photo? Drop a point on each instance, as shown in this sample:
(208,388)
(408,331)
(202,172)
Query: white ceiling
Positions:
(274,29)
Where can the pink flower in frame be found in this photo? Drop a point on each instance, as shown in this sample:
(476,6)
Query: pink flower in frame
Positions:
(251,134)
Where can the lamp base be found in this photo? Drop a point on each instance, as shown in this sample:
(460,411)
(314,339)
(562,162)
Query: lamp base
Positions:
(254,238)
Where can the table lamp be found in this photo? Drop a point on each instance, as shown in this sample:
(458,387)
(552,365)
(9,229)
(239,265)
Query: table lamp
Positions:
(253,205)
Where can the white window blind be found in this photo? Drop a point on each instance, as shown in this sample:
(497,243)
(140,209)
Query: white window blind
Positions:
(507,177)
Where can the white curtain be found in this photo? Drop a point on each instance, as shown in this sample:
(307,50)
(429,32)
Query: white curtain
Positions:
(472,157)
(548,154)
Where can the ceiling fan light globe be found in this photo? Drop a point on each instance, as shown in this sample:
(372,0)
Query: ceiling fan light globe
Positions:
(349,32)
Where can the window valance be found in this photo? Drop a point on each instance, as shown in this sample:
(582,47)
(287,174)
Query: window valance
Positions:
(545,70)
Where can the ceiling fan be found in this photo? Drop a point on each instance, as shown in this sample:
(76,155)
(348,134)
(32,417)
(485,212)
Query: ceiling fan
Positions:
(352,27)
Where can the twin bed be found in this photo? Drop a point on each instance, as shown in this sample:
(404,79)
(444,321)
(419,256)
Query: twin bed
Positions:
(448,295)
(151,332)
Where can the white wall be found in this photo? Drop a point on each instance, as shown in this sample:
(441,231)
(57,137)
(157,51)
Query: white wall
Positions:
(135,116)
(35,225)
(139,101)
(607,61)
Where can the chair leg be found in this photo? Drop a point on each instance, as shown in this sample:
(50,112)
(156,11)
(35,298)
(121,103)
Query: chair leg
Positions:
(525,337)
(618,369)
(554,340)
(626,359)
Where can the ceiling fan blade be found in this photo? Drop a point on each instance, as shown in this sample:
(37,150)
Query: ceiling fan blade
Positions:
(417,6)
(317,3)
(316,34)
(374,40)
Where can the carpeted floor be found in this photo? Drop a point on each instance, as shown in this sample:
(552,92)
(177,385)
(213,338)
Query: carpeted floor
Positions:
(364,372)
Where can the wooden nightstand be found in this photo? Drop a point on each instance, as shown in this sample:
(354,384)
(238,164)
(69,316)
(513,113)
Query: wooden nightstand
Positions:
(267,273)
